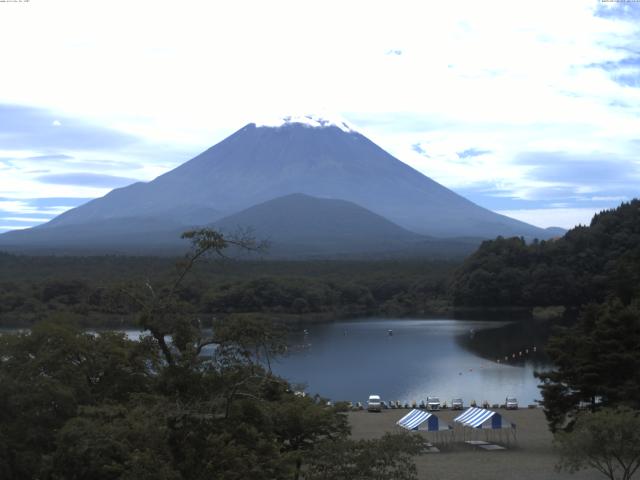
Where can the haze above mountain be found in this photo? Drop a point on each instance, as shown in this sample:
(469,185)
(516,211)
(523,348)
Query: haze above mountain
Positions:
(259,163)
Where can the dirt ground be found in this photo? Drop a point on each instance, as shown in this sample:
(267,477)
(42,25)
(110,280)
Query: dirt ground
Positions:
(531,458)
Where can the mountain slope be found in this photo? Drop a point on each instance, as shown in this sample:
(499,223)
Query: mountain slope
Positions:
(138,235)
(300,223)
(259,163)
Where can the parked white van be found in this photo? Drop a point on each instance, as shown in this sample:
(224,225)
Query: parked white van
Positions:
(511,403)
(374,403)
(433,403)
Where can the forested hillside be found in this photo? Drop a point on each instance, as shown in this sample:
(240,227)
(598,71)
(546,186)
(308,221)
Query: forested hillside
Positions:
(95,291)
(587,265)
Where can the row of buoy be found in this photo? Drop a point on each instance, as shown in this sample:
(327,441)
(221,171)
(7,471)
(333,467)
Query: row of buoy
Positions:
(513,356)
(344,332)
(517,355)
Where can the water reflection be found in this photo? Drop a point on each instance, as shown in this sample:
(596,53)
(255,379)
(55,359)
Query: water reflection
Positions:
(348,360)
(517,343)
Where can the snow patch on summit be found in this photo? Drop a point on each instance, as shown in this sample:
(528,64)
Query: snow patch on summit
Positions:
(313,121)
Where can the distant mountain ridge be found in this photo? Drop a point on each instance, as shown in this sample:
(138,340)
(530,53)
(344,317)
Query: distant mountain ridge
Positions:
(299,223)
(256,164)
(294,226)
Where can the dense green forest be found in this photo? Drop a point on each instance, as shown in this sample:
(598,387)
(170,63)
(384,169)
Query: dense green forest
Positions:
(587,265)
(96,291)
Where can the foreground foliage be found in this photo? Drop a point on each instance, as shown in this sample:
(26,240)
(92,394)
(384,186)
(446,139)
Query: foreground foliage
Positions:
(384,459)
(180,403)
(596,363)
(608,440)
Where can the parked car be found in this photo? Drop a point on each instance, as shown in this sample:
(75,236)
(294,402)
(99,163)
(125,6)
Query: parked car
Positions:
(456,404)
(511,403)
(433,403)
(374,404)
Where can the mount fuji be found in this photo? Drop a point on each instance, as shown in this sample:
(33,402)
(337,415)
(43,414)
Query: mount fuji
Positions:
(308,155)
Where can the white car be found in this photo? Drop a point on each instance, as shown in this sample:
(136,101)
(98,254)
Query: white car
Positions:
(433,403)
(456,404)
(511,403)
(374,404)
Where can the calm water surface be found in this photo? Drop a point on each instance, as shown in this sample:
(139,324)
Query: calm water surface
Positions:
(348,360)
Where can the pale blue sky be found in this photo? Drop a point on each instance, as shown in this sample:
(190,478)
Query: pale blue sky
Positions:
(528,108)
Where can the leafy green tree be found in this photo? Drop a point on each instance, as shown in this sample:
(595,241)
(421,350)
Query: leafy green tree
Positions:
(47,374)
(380,459)
(596,363)
(607,440)
(165,316)
(303,421)
(122,441)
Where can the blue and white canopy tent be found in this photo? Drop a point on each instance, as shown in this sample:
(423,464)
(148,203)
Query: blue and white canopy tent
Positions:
(482,420)
(422,421)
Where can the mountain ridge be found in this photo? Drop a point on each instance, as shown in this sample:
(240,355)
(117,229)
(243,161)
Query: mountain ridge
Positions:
(257,164)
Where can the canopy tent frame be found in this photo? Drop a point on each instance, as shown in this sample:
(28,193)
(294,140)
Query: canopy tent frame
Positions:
(476,423)
(427,422)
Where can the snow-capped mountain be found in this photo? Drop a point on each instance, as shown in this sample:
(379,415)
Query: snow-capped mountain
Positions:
(319,157)
(316,121)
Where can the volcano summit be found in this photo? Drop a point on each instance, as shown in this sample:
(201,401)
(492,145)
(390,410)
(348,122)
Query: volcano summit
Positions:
(261,162)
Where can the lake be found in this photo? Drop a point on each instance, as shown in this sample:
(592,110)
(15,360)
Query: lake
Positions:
(349,360)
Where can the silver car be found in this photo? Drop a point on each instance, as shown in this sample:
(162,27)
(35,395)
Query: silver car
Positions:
(456,404)
(511,403)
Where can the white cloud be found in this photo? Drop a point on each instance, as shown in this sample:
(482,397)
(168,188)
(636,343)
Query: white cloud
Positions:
(6,228)
(554,217)
(500,76)
(23,207)
(30,220)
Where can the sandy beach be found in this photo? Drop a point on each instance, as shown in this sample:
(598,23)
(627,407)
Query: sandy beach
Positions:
(531,458)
